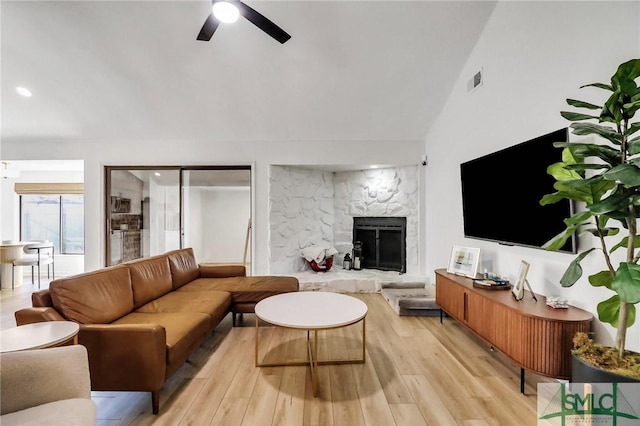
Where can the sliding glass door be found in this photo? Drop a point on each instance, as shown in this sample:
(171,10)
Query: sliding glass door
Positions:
(152,210)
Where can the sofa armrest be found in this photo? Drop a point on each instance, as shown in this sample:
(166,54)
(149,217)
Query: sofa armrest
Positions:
(31,315)
(34,377)
(222,271)
(125,356)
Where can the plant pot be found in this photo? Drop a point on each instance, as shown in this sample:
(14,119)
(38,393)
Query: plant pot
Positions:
(582,372)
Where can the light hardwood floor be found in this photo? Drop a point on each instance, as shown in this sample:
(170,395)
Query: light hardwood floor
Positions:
(417,372)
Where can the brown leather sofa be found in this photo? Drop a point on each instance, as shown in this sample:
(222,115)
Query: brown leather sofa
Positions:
(140,321)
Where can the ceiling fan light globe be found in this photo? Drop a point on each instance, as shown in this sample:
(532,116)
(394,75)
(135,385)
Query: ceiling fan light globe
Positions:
(225,11)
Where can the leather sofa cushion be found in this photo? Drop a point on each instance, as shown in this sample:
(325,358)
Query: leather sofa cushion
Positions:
(185,332)
(183,266)
(97,297)
(150,278)
(245,289)
(216,304)
(41,298)
(222,271)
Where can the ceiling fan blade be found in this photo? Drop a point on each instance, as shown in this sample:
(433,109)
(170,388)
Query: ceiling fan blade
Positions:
(208,28)
(263,23)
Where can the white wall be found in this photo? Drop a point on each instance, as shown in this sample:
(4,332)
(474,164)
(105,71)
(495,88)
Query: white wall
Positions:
(98,153)
(225,214)
(533,55)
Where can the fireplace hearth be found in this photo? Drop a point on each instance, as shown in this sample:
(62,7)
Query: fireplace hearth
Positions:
(383,242)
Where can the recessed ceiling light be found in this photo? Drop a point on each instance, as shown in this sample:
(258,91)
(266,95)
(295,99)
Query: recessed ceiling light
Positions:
(24,91)
(373,166)
(157,174)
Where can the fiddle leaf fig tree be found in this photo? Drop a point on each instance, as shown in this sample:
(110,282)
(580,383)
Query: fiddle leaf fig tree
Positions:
(602,173)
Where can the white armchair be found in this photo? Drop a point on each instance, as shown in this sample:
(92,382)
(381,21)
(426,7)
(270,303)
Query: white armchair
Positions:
(46,387)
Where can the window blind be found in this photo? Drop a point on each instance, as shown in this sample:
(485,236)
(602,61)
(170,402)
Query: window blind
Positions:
(26,188)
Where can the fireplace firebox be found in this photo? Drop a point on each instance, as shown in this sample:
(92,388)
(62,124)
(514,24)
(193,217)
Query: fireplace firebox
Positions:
(383,242)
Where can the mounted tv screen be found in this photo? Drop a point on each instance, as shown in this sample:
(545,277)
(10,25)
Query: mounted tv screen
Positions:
(501,195)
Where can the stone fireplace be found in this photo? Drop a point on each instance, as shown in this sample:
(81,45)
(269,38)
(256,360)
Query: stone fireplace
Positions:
(309,207)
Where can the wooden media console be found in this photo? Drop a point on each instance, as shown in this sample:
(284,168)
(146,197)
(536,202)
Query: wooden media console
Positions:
(533,335)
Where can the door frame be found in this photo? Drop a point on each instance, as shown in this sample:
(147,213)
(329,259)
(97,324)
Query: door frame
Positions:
(181,169)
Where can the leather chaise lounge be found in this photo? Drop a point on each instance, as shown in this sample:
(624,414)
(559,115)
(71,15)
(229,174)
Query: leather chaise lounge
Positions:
(141,320)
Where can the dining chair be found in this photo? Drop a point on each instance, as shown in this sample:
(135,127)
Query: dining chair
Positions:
(36,254)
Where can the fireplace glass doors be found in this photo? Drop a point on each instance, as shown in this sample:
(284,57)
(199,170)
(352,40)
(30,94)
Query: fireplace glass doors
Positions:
(383,242)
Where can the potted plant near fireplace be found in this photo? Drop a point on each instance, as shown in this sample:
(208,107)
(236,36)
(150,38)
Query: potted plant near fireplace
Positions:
(602,173)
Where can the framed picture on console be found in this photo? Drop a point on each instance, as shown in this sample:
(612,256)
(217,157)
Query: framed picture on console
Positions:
(464,261)
(518,286)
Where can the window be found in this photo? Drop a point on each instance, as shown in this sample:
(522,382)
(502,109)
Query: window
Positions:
(58,218)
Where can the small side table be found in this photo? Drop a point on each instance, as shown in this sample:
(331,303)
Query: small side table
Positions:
(37,335)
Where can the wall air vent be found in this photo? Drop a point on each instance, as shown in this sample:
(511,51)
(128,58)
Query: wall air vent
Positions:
(475,81)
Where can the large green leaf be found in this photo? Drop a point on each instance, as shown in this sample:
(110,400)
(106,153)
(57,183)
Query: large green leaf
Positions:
(615,202)
(601,279)
(626,173)
(625,75)
(580,192)
(612,108)
(574,271)
(606,153)
(561,173)
(631,108)
(581,104)
(628,88)
(633,127)
(627,282)
(587,190)
(599,85)
(582,167)
(579,218)
(606,132)
(576,116)
(632,315)
(609,310)
(633,146)
(604,232)
(554,198)
(557,242)
(569,156)
(625,242)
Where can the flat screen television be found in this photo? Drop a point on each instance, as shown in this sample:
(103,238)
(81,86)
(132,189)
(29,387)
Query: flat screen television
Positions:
(501,195)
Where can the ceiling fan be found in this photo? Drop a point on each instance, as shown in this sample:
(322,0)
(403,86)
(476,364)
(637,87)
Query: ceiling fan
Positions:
(228,11)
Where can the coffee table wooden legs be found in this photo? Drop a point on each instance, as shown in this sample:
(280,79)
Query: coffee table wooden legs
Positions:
(313,361)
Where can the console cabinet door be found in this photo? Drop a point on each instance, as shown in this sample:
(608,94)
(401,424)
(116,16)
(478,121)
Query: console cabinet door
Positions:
(466,306)
(452,297)
(479,314)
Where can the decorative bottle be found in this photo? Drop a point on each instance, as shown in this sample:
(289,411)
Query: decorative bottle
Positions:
(346,262)
(357,255)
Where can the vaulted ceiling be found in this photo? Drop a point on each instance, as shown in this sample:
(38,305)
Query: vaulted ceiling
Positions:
(353,70)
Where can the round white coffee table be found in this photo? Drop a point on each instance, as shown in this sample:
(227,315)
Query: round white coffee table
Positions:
(311,311)
(37,335)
